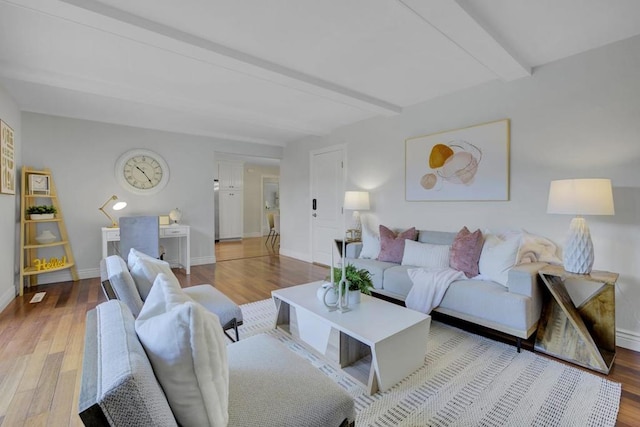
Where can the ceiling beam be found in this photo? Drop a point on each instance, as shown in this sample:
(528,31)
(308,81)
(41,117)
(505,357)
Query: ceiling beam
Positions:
(188,45)
(457,24)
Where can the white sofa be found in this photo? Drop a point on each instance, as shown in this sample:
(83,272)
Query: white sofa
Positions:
(513,309)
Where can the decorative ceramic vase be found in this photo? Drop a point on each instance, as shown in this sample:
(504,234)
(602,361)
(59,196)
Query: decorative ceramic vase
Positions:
(328,295)
(46,237)
(354,297)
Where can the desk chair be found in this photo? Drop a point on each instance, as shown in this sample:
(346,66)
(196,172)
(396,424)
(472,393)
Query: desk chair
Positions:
(271,222)
(276,230)
(141,233)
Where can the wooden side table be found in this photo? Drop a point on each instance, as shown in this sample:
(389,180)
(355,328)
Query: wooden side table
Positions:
(584,335)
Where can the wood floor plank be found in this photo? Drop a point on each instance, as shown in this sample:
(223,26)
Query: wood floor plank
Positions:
(46,385)
(246,271)
(17,413)
(11,382)
(62,407)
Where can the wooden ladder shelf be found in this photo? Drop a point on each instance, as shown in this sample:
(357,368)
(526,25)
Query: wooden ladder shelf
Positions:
(38,188)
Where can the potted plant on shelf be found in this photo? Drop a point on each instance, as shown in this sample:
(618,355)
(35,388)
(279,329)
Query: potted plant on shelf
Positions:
(41,212)
(359,281)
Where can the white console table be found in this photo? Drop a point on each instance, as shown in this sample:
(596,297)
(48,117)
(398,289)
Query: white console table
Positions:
(182,232)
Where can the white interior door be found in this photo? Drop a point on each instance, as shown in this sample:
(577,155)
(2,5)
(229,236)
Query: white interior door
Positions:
(327,193)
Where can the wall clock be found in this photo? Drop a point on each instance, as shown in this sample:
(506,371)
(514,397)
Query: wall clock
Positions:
(38,184)
(142,171)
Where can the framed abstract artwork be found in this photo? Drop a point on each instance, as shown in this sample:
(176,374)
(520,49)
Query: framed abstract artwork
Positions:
(470,163)
(7,160)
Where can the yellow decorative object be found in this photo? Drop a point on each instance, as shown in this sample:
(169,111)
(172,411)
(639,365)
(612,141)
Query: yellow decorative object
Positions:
(42,264)
(439,154)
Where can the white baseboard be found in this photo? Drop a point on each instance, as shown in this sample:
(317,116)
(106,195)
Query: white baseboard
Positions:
(7,297)
(628,339)
(203,260)
(253,234)
(297,255)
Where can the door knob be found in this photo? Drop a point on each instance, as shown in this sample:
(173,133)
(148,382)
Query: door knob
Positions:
(314,215)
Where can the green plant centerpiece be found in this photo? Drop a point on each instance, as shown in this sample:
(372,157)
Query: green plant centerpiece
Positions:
(41,209)
(359,280)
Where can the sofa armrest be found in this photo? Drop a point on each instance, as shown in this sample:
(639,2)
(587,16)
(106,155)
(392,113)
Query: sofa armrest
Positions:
(353,249)
(523,278)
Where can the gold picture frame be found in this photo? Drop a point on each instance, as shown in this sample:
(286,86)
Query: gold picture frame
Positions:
(7,160)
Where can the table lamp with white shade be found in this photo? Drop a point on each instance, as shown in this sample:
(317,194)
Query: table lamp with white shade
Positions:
(580,197)
(356,201)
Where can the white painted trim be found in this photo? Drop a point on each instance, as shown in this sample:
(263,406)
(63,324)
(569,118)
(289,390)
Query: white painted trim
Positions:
(628,339)
(156,34)
(203,260)
(296,255)
(7,297)
(252,234)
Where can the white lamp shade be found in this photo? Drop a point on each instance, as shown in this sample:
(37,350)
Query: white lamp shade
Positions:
(581,197)
(356,200)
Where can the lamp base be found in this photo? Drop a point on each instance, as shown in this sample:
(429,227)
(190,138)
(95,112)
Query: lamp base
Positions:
(578,251)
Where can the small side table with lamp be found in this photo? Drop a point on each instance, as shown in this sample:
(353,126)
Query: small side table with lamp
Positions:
(584,334)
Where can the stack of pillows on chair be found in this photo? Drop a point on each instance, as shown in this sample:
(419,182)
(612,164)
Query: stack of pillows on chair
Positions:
(184,342)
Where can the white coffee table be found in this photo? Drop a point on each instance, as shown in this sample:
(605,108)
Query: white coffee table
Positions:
(376,342)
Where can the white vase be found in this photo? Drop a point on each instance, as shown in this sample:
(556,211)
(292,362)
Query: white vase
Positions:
(41,216)
(354,298)
(327,296)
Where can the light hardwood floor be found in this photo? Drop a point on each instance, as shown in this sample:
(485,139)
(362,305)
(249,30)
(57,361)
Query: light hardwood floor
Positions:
(41,344)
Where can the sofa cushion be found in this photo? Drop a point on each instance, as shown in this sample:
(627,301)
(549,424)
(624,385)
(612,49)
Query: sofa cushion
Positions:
(370,244)
(375,267)
(122,283)
(115,369)
(397,281)
(465,252)
(282,393)
(498,255)
(187,350)
(425,255)
(135,255)
(216,302)
(489,301)
(145,270)
(436,237)
(392,243)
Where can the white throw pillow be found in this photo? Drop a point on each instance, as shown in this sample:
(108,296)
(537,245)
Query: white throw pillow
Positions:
(425,255)
(370,244)
(187,350)
(135,255)
(145,271)
(498,256)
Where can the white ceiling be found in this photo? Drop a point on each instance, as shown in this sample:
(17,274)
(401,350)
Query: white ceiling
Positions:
(276,71)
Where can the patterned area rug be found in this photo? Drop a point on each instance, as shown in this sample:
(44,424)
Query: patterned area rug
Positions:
(468,380)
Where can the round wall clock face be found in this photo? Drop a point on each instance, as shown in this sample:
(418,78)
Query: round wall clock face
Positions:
(142,171)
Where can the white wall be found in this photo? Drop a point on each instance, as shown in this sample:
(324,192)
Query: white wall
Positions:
(9,218)
(575,118)
(82,154)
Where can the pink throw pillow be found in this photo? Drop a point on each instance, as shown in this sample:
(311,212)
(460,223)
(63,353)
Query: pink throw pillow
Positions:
(465,252)
(392,244)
